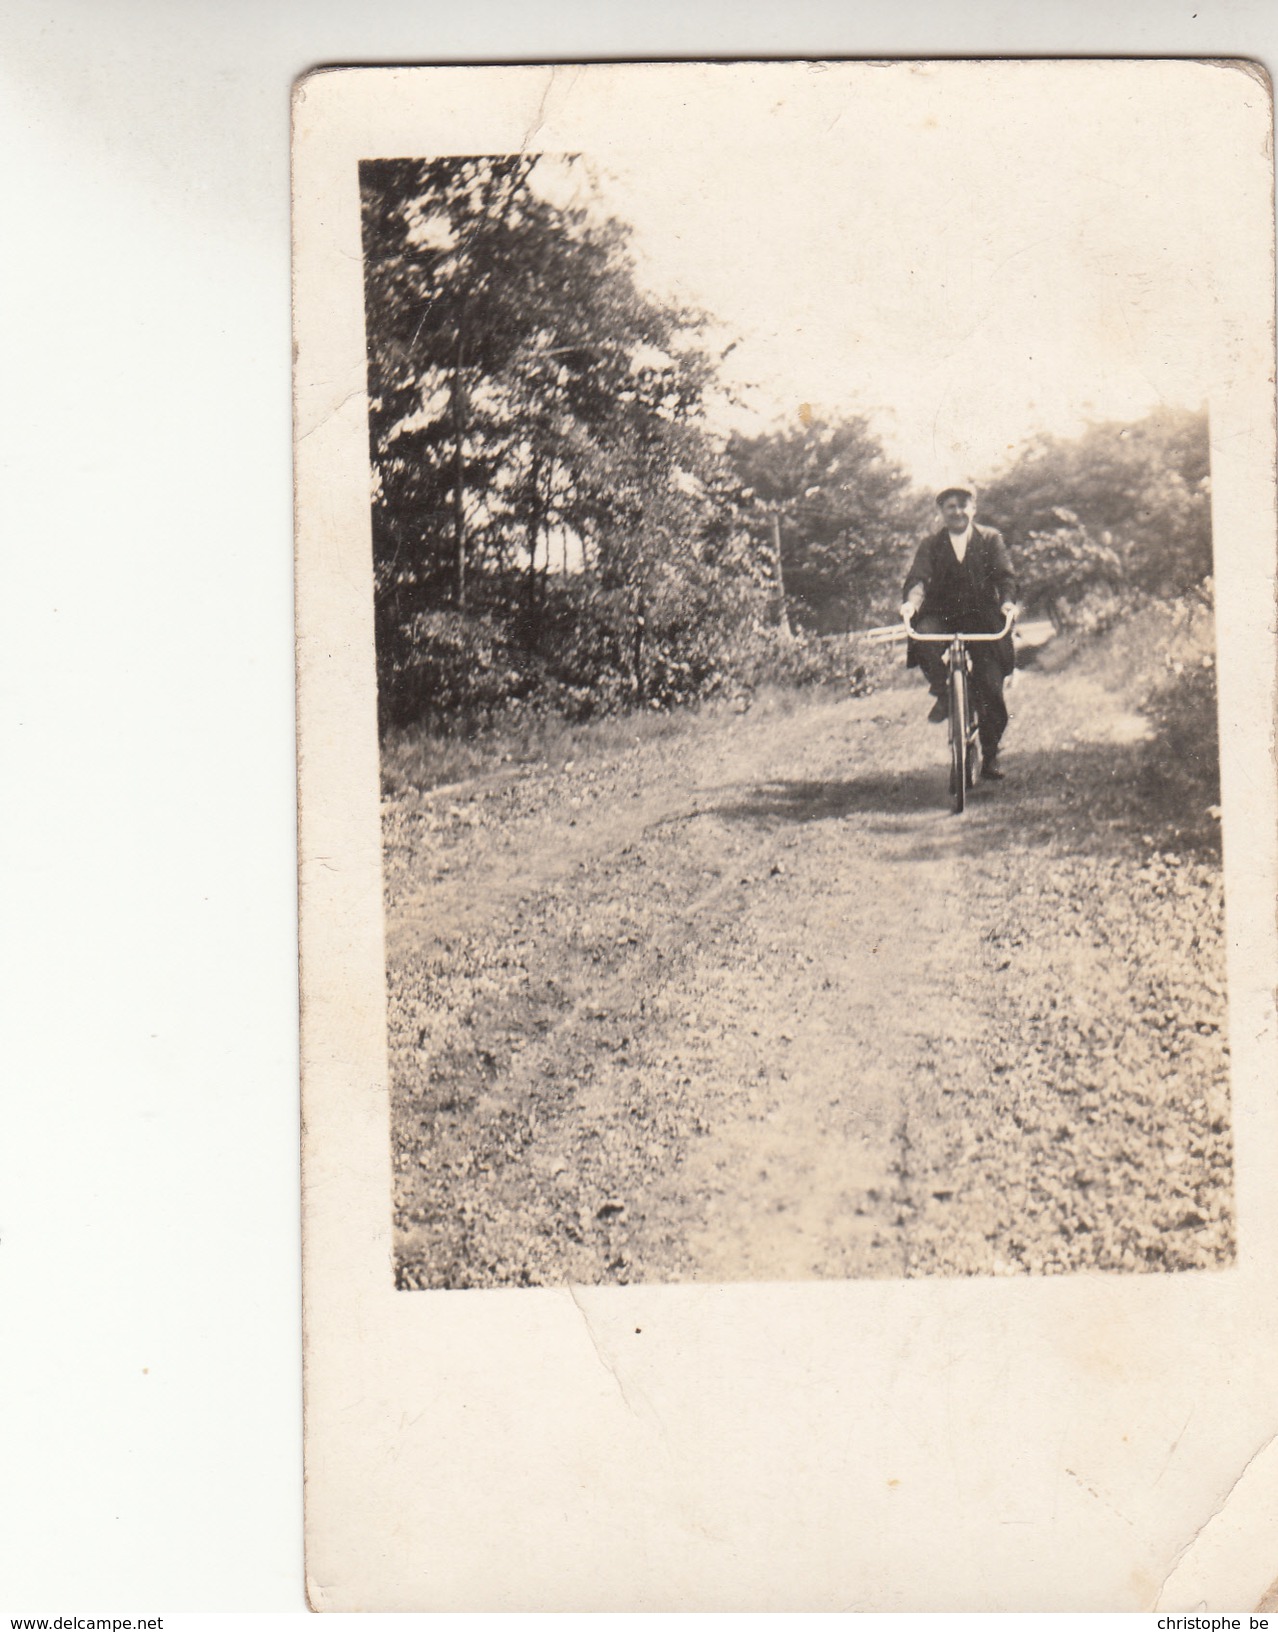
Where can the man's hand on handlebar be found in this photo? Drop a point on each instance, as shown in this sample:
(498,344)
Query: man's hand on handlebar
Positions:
(1008,609)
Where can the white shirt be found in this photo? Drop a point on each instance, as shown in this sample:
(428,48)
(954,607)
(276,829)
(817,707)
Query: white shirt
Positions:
(960,541)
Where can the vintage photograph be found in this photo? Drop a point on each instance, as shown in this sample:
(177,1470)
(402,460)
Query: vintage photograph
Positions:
(785,567)
(797,708)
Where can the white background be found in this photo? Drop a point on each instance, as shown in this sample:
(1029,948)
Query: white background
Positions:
(148,1175)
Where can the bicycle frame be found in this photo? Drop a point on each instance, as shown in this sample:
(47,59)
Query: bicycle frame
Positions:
(965,746)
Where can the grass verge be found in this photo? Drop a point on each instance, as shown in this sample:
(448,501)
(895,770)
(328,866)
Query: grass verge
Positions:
(417,758)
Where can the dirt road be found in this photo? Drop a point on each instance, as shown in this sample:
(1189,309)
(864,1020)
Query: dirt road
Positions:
(745,1001)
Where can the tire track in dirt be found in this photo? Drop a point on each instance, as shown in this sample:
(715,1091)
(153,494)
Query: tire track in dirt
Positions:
(748,1003)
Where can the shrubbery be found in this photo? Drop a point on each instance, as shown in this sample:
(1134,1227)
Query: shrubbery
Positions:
(450,667)
(454,671)
(1096,610)
(592,657)
(765,657)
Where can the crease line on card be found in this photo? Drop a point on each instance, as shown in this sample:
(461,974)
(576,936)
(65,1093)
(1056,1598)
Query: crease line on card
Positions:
(1207,1567)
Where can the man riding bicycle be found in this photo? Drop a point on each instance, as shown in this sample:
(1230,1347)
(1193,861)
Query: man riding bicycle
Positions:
(962,580)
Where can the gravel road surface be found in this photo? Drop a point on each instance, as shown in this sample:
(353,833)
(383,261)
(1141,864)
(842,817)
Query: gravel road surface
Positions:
(745,1001)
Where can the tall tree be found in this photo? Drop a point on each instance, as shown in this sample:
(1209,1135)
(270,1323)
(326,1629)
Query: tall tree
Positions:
(1140,493)
(521,385)
(837,503)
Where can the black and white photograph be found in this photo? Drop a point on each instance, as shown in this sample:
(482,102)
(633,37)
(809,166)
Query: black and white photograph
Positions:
(642,817)
(785,560)
(730,933)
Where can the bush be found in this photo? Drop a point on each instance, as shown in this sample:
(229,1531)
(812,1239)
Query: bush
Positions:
(1059,566)
(448,668)
(1179,768)
(592,656)
(600,657)
(1095,610)
(766,657)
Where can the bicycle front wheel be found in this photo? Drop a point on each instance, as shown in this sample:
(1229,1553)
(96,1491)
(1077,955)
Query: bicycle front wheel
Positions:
(959,727)
(975,754)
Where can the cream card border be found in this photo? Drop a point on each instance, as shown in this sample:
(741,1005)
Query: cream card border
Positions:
(1026,1444)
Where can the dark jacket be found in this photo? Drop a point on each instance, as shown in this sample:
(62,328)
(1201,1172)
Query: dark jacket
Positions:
(967,594)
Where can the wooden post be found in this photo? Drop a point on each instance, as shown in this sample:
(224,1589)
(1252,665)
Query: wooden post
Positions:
(638,656)
(783,615)
(459,469)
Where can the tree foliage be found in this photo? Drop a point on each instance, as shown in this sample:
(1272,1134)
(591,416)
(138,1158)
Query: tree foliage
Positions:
(841,512)
(528,403)
(555,525)
(1123,506)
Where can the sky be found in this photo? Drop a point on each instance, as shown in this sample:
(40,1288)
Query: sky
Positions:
(964,264)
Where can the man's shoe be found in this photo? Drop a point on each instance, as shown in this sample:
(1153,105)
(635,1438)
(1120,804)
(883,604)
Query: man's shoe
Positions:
(940,712)
(990,770)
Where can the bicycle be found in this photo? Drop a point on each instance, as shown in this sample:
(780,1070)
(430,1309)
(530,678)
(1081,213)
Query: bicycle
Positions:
(965,742)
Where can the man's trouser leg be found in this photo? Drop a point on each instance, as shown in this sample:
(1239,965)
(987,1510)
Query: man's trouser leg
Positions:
(931,652)
(987,689)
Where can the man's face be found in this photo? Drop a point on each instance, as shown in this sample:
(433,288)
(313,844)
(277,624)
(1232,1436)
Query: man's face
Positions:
(956,511)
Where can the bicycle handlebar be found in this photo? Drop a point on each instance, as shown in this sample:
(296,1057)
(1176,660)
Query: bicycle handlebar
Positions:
(945,639)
